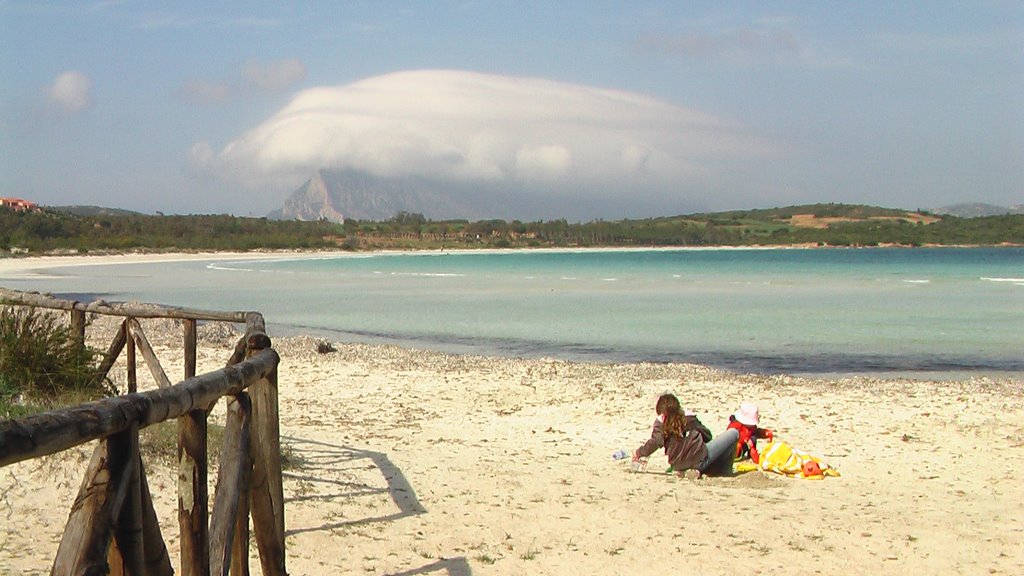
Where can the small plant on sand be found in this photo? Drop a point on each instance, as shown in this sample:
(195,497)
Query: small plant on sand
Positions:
(42,364)
(530,553)
(485,559)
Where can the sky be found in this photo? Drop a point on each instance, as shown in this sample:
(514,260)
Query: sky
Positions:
(608,109)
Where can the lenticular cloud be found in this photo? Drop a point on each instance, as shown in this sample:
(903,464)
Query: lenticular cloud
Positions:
(480,128)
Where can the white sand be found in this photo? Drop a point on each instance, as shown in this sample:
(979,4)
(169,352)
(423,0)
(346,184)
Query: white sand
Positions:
(423,463)
(15,268)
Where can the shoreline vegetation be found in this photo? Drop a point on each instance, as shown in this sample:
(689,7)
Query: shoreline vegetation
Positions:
(52,232)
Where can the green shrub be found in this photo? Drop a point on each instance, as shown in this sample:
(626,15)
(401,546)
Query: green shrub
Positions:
(41,362)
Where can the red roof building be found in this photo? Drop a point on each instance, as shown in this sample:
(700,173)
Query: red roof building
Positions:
(18,204)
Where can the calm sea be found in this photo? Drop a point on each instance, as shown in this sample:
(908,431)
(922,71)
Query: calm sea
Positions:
(926,311)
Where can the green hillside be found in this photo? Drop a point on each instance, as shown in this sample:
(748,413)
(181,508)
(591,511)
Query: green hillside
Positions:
(816,224)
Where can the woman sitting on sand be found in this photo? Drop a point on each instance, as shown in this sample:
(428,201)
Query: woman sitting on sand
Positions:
(687,442)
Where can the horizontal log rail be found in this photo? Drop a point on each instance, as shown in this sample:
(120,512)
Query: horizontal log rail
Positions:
(126,309)
(112,527)
(58,430)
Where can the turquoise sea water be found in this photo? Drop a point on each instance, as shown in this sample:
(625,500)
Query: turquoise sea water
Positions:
(941,310)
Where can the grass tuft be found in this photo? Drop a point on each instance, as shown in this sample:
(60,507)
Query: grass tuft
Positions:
(42,365)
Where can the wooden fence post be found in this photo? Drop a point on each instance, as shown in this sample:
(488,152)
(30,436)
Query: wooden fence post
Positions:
(267,492)
(193,499)
(234,457)
(87,535)
(240,547)
(133,381)
(190,347)
(128,530)
(78,325)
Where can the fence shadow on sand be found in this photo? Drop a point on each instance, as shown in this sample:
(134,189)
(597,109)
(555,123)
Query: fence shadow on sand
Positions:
(332,475)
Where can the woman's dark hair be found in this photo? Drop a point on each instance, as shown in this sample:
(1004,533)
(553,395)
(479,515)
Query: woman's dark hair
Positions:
(668,407)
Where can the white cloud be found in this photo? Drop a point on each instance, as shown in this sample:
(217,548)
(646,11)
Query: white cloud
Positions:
(488,130)
(70,92)
(543,162)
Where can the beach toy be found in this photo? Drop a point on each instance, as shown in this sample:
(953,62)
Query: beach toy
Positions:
(812,469)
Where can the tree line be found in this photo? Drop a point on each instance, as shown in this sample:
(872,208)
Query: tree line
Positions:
(831,225)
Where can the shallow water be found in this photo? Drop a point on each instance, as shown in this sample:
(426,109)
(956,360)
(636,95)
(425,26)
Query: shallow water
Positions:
(955,311)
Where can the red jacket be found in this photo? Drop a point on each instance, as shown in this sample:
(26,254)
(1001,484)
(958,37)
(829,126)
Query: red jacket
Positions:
(748,438)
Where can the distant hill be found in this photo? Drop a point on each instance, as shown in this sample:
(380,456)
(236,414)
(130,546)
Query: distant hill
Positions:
(806,225)
(92,211)
(978,210)
(335,196)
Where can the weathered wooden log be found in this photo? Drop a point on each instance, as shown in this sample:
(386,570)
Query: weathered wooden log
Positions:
(240,548)
(112,353)
(193,516)
(119,309)
(78,327)
(193,497)
(267,492)
(152,362)
(57,430)
(190,340)
(233,459)
(239,352)
(115,564)
(253,339)
(128,528)
(254,324)
(87,535)
(132,376)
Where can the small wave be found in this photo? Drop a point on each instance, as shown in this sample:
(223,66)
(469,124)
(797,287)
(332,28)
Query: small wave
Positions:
(917,281)
(429,274)
(223,268)
(1010,280)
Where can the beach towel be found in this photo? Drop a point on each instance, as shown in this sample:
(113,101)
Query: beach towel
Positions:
(781,458)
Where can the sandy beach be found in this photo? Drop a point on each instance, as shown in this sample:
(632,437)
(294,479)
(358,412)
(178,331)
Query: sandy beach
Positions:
(412,462)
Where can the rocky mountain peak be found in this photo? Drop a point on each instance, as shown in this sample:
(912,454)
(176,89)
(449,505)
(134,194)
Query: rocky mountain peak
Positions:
(335,196)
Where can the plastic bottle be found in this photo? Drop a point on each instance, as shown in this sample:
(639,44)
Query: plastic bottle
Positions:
(619,455)
(638,465)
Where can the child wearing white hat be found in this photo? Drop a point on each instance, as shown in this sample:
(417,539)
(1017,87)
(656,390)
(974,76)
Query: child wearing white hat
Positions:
(745,421)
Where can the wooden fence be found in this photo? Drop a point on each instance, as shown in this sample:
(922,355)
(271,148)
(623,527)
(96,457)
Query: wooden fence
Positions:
(112,527)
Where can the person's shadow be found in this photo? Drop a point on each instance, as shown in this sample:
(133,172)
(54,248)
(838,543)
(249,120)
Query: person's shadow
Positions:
(318,456)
